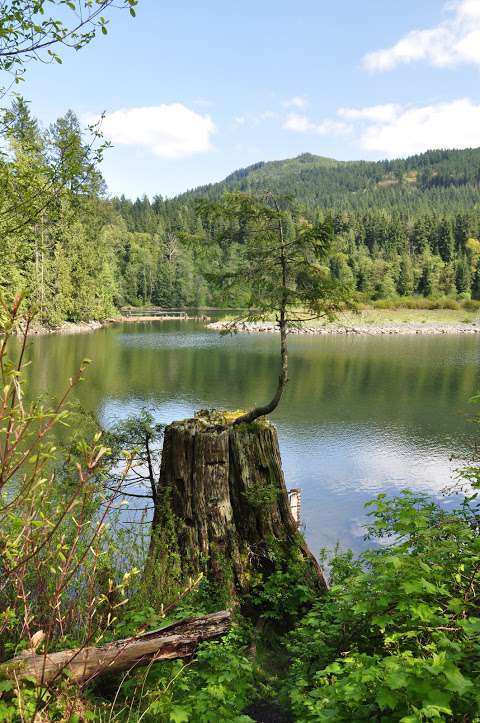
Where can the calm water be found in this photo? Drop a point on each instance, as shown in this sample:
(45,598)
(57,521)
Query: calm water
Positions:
(361,415)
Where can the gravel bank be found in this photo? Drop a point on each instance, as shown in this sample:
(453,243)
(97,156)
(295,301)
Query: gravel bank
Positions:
(363,329)
(68,327)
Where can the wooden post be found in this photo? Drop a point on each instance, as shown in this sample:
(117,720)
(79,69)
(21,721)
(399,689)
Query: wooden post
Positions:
(295,498)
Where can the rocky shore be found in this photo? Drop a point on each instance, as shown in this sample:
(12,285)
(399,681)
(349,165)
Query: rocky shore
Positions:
(426,329)
(68,327)
(80,327)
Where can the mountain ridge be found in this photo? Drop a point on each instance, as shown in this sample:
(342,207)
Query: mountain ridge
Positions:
(322,181)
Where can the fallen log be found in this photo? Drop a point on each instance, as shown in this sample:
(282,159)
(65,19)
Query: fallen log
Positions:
(178,640)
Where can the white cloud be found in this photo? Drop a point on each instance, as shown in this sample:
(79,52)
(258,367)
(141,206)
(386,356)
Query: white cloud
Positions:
(394,130)
(300,123)
(168,130)
(456,40)
(252,120)
(379,113)
(412,130)
(298,101)
(329,127)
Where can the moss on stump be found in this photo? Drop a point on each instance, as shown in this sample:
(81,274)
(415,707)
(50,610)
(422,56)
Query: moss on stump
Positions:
(225,490)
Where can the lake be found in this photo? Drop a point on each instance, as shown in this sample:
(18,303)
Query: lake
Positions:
(361,415)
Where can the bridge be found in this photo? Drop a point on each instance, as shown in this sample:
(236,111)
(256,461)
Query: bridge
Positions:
(153,312)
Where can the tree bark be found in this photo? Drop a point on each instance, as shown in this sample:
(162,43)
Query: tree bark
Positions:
(225,489)
(178,640)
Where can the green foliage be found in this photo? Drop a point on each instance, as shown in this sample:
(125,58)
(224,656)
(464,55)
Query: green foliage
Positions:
(435,179)
(53,244)
(216,686)
(58,587)
(28,32)
(261,496)
(284,595)
(80,256)
(420,302)
(396,638)
(282,259)
(390,237)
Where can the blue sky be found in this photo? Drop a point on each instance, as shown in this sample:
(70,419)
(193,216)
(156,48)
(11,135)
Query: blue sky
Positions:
(193,91)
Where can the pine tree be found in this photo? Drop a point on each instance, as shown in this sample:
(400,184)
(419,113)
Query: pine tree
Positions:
(446,240)
(463,276)
(406,278)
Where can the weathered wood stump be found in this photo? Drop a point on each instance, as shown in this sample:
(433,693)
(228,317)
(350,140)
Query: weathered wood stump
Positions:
(224,486)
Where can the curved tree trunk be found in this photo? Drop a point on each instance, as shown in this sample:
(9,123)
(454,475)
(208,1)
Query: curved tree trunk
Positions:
(225,489)
(262,411)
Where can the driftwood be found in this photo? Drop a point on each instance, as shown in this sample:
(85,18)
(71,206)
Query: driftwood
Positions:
(178,640)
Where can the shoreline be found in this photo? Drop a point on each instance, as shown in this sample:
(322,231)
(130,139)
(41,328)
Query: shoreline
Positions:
(67,327)
(83,327)
(402,328)
(350,328)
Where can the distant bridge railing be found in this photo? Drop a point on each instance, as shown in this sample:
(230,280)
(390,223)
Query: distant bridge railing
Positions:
(152,311)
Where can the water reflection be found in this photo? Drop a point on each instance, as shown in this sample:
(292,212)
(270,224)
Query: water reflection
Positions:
(361,414)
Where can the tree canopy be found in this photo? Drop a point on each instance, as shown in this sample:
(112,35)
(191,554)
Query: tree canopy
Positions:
(282,266)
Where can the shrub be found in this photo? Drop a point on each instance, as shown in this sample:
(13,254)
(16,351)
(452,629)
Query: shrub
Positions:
(397,637)
(417,302)
(471,305)
(58,588)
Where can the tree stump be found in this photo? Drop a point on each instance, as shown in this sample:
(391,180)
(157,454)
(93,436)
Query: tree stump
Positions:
(223,485)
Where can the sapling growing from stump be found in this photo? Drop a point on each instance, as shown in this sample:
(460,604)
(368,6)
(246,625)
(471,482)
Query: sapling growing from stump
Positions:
(221,473)
(282,265)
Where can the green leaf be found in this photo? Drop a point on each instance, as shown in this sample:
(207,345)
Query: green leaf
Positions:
(412,586)
(456,605)
(396,680)
(179,715)
(456,681)
(386,698)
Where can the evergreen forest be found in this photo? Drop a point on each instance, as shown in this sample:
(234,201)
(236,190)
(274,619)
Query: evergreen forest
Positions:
(403,228)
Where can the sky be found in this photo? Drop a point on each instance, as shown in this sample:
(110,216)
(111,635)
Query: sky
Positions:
(193,91)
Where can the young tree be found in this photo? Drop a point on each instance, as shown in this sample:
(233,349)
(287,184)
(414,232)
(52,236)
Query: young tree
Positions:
(463,276)
(221,478)
(406,278)
(284,265)
(75,164)
(446,240)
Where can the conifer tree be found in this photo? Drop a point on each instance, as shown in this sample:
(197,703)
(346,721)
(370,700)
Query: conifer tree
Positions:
(284,263)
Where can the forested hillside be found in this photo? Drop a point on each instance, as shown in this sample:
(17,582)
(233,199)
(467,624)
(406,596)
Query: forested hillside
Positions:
(430,180)
(402,228)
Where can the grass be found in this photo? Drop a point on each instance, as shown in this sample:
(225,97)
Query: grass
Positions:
(380,317)
(371,316)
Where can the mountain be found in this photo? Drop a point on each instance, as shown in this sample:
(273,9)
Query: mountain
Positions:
(403,227)
(318,181)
